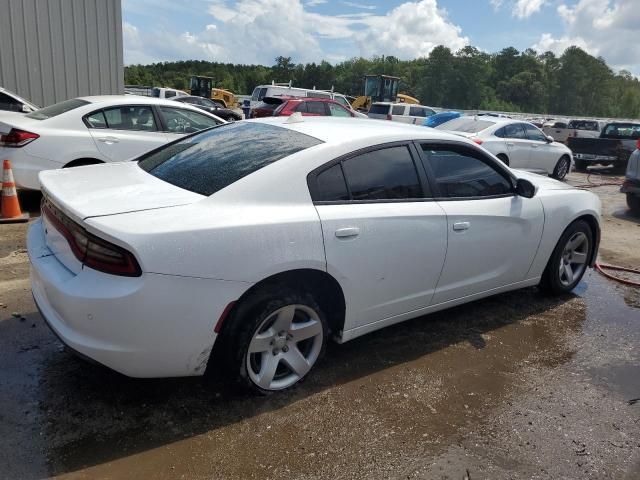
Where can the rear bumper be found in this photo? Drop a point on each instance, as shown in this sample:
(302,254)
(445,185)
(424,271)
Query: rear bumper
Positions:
(588,157)
(631,186)
(148,326)
(26,167)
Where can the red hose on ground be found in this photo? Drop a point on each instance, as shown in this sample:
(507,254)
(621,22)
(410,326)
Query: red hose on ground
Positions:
(600,268)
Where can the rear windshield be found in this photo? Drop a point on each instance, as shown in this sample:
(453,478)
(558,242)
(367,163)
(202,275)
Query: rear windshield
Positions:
(466,125)
(57,109)
(379,109)
(622,130)
(583,125)
(210,161)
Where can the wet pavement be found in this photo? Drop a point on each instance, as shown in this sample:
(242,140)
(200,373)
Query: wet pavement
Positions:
(519,385)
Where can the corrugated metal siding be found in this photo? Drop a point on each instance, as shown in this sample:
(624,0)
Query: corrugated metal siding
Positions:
(52,50)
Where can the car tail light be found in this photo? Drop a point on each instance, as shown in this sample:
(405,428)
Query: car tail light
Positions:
(92,251)
(477,140)
(17,138)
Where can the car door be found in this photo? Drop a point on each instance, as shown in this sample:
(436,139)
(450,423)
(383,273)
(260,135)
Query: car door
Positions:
(385,238)
(492,234)
(124,132)
(518,145)
(543,155)
(177,122)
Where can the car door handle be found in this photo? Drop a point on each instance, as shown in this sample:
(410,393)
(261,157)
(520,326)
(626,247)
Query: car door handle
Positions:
(509,144)
(461,226)
(108,140)
(347,232)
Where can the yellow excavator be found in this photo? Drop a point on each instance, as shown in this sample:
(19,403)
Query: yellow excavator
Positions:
(203,87)
(381,88)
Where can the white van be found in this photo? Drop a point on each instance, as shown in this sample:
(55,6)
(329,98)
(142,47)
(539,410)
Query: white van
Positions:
(279,89)
(400,112)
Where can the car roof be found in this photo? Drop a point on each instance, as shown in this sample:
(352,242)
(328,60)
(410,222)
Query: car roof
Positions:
(338,130)
(126,99)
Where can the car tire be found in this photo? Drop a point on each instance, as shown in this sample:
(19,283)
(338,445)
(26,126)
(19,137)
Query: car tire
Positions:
(503,158)
(633,202)
(581,166)
(260,351)
(569,260)
(562,168)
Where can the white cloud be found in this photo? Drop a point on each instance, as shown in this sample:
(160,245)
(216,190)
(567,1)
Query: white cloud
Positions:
(526,8)
(315,3)
(362,6)
(607,28)
(245,32)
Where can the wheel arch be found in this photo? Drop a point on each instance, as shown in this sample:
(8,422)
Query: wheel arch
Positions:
(595,231)
(326,289)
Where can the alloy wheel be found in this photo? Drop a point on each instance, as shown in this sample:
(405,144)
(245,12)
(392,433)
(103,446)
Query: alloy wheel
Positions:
(563,168)
(284,347)
(573,260)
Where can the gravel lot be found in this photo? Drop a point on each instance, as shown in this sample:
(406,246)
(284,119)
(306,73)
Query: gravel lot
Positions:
(515,386)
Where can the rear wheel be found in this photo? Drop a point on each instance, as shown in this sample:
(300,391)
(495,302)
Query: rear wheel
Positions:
(274,339)
(633,201)
(562,168)
(503,158)
(569,259)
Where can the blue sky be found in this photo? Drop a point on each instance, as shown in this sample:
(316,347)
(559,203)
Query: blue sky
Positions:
(256,31)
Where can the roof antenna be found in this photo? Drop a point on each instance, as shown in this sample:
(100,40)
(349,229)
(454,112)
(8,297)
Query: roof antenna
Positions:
(295,117)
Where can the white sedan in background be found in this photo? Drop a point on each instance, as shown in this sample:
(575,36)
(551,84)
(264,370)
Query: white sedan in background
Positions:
(243,247)
(518,144)
(91,130)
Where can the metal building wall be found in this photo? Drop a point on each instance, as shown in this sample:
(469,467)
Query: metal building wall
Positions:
(53,50)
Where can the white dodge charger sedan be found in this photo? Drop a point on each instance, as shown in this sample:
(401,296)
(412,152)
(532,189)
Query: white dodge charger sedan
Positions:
(518,144)
(243,247)
(92,130)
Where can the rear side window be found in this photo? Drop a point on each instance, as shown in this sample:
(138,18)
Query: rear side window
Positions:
(386,174)
(97,120)
(57,109)
(460,174)
(135,117)
(316,108)
(9,103)
(379,109)
(212,160)
(331,185)
(397,110)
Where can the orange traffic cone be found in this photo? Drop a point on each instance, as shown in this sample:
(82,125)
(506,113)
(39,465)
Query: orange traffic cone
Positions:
(10,205)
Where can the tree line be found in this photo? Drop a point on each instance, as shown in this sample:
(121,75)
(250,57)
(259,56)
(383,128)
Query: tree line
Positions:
(572,84)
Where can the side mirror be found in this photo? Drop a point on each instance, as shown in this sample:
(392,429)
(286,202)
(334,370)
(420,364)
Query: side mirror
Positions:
(550,139)
(525,188)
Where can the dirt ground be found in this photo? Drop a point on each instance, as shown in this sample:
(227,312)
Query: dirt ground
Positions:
(515,386)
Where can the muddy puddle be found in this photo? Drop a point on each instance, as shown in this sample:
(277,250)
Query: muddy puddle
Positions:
(386,405)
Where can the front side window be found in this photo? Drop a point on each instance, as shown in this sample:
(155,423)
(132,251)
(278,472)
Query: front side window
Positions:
(180,120)
(134,117)
(379,109)
(460,174)
(210,161)
(534,133)
(341,100)
(417,112)
(338,111)
(169,94)
(386,174)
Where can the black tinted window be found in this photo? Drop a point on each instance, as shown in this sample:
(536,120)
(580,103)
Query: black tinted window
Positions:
(9,103)
(331,185)
(398,110)
(513,130)
(533,133)
(57,109)
(210,161)
(379,109)
(417,112)
(460,175)
(382,174)
(316,108)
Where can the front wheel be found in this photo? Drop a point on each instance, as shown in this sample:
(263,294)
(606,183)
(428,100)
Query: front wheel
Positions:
(562,168)
(633,202)
(275,339)
(569,259)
